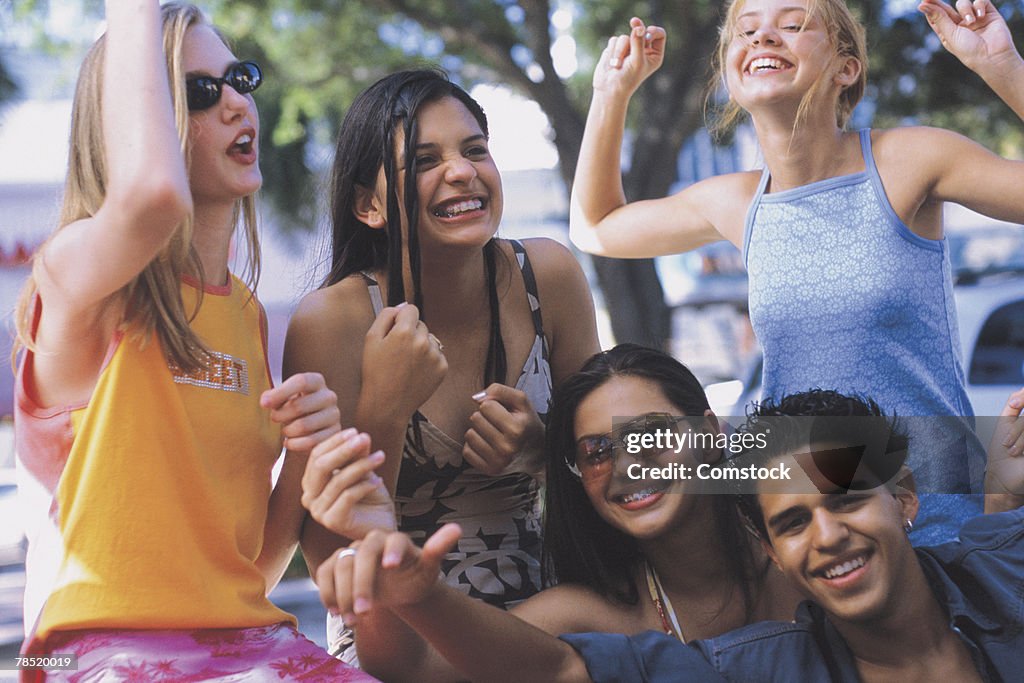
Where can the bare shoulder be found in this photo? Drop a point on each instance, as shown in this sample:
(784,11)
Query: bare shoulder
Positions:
(725,200)
(335,308)
(549,258)
(572,608)
(920,147)
(328,323)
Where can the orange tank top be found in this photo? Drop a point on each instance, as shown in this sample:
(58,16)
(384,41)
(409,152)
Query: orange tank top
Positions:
(145,507)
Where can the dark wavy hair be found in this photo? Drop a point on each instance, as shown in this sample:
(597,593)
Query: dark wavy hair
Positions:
(366,143)
(579,546)
(878,439)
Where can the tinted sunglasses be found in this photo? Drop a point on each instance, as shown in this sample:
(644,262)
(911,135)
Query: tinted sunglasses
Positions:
(204,91)
(595,455)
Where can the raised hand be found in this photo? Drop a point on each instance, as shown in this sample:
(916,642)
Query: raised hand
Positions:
(506,433)
(402,363)
(340,489)
(1004,473)
(629,59)
(974,32)
(307,409)
(385,569)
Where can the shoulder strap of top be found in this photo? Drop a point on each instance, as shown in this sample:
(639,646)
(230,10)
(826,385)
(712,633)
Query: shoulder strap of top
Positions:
(865,150)
(530,282)
(374,289)
(748,227)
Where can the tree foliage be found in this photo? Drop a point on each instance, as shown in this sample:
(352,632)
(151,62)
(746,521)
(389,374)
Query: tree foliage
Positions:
(319,53)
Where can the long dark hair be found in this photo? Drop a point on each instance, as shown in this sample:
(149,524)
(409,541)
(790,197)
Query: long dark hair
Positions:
(579,546)
(366,143)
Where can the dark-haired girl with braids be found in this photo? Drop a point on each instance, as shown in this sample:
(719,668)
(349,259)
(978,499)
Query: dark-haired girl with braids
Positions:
(457,410)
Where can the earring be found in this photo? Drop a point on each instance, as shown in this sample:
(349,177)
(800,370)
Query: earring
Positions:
(908,526)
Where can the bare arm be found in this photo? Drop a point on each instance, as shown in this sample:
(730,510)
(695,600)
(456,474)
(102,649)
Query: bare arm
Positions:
(568,307)
(381,369)
(964,172)
(600,220)
(146,196)
(388,581)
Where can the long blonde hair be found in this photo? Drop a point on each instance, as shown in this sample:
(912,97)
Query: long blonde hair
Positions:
(152,300)
(847,36)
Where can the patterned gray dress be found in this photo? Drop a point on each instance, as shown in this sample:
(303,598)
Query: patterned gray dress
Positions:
(497,560)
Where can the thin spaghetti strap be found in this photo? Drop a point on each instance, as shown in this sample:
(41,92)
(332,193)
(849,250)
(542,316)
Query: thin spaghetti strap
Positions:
(374,289)
(530,282)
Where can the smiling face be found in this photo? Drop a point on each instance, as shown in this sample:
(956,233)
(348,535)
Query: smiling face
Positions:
(847,552)
(776,50)
(642,509)
(457,181)
(811,52)
(223,138)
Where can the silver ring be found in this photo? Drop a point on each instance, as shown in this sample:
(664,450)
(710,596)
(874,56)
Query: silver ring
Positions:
(347,552)
(440,346)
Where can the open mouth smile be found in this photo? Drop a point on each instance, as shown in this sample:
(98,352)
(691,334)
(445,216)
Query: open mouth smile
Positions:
(636,500)
(845,571)
(762,65)
(460,207)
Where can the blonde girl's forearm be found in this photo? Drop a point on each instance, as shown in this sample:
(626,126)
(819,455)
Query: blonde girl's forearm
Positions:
(145,166)
(1007,81)
(597,187)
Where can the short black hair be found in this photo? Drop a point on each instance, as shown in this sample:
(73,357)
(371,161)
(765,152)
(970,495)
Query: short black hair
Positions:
(873,439)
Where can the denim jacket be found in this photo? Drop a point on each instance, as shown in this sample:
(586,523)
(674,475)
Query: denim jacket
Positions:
(979,578)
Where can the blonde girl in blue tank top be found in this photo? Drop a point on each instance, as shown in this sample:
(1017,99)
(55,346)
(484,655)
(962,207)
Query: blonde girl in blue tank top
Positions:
(842,231)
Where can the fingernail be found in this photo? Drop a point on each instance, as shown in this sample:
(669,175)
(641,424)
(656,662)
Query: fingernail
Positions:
(969,19)
(391,560)
(647,36)
(480,395)
(614,61)
(637,31)
(349,618)
(333,611)
(377,456)
(361,606)
(404,303)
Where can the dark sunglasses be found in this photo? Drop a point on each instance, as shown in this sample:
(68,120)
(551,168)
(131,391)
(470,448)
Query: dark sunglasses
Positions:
(595,454)
(204,91)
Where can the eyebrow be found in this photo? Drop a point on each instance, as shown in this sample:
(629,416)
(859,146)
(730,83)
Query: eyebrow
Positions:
(784,10)
(471,138)
(778,519)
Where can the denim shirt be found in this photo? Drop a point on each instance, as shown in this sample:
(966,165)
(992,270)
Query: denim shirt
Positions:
(979,578)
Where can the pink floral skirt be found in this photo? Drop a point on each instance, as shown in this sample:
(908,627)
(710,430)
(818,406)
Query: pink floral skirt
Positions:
(266,653)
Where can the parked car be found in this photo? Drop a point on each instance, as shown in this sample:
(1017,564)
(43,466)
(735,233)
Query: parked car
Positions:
(988,271)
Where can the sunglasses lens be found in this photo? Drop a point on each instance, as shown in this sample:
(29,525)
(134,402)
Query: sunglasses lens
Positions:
(202,92)
(244,77)
(594,455)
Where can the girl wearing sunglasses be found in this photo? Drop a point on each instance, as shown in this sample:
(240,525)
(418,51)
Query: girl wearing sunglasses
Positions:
(416,203)
(629,555)
(146,421)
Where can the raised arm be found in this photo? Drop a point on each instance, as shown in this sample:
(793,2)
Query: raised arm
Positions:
(146,187)
(963,171)
(600,220)
(145,196)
